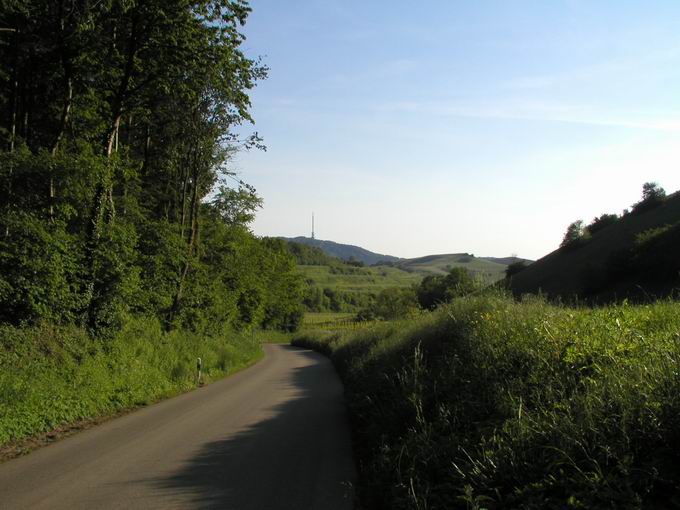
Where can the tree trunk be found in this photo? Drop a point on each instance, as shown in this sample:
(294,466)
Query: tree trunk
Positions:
(193,237)
(14,101)
(60,134)
(183,198)
(103,210)
(15,94)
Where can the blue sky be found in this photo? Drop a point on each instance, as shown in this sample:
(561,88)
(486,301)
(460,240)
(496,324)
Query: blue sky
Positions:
(413,128)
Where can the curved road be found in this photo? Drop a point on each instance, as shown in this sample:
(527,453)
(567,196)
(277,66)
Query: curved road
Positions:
(274,436)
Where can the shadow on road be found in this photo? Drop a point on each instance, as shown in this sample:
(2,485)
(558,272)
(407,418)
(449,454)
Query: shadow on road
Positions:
(295,457)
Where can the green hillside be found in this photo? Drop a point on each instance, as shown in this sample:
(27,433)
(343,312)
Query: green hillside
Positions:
(487,270)
(359,279)
(323,253)
(347,288)
(335,285)
(636,256)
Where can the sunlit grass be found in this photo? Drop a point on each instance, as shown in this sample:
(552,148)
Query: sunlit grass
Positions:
(492,403)
(52,375)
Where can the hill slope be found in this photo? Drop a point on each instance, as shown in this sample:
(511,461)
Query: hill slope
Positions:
(621,260)
(487,269)
(344,251)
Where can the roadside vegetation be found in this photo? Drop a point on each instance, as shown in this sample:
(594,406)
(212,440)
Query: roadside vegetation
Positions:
(491,403)
(125,248)
(54,375)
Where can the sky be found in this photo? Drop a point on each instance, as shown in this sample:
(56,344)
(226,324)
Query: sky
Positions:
(446,126)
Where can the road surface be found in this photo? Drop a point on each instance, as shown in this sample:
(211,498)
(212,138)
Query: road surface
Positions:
(274,436)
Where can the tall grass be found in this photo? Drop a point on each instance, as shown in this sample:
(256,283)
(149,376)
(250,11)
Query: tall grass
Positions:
(51,375)
(489,403)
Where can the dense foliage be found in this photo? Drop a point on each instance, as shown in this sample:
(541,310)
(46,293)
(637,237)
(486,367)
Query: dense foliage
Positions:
(490,403)
(116,130)
(437,289)
(311,255)
(390,304)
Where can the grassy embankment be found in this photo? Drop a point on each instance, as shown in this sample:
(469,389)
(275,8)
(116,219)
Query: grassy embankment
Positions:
(489,403)
(50,375)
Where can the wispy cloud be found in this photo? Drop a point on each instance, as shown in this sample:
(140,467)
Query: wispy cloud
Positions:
(608,69)
(538,111)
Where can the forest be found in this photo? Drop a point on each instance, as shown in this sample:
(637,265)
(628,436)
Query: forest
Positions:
(119,121)
(125,247)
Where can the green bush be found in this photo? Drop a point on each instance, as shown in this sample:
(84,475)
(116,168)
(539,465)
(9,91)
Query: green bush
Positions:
(488,403)
(39,270)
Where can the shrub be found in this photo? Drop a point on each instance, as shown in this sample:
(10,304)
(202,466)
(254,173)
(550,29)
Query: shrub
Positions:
(39,271)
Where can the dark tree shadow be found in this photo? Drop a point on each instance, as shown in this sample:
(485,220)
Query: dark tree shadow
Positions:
(297,457)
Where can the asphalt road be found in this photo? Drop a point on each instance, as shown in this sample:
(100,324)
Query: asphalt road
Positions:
(274,436)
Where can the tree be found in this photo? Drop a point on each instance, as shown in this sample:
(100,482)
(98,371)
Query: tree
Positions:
(653,196)
(575,233)
(652,191)
(431,292)
(602,222)
(459,282)
(515,268)
(390,304)
(117,122)
(236,206)
(435,290)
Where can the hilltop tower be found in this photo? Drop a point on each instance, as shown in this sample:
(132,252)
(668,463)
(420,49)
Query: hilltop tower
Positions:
(312,225)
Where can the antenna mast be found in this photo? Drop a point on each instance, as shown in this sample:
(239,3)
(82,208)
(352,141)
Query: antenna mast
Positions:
(312,225)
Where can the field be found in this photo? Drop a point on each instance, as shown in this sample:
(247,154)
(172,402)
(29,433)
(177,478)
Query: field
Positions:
(359,279)
(490,403)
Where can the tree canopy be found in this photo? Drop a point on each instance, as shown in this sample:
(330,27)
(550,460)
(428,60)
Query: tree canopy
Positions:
(117,128)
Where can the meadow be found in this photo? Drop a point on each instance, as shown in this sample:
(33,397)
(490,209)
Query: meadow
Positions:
(358,279)
(55,375)
(492,403)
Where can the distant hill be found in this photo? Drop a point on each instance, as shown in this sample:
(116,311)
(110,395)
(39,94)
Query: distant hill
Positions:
(506,261)
(344,251)
(489,269)
(636,256)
